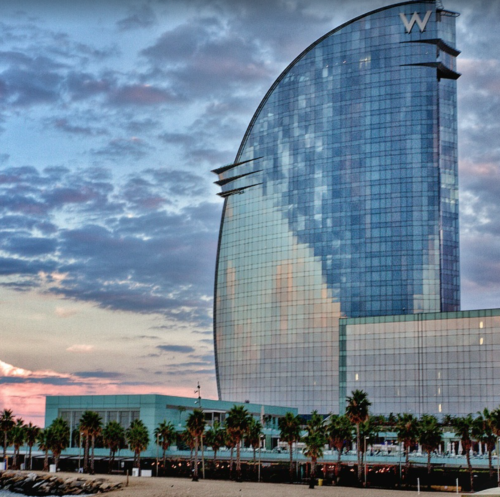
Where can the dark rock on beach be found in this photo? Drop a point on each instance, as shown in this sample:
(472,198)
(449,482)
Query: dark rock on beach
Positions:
(35,485)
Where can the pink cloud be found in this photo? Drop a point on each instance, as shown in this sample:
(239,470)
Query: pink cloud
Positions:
(24,391)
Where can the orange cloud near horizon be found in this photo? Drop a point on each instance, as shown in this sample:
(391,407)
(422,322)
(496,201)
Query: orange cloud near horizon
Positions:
(24,391)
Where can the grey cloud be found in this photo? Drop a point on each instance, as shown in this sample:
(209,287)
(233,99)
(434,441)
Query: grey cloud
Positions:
(63,124)
(30,87)
(123,147)
(178,182)
(139,17)
(135,125)
(14,266)
(203,58)
(113,258)
(23,204)
(42,381)
(29,246)
(206,359)
(207,373)
(98,374)
(181,349)
(141,193)
(85,85)
(139,94)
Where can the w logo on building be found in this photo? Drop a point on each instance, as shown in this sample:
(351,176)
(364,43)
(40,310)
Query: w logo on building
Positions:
(415,18)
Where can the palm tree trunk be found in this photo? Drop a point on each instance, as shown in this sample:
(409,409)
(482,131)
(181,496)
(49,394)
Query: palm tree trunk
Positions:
(407,463)
(46,461)
(290,446)
(215,456)
(312,480)
(14,459)
(337,468)
(202,457)
(471,474)
(29,456)
(92,458)
(231,463)
(195,470)
(5,447)
(238,462)
(490,462)
(358,442)
(86,454)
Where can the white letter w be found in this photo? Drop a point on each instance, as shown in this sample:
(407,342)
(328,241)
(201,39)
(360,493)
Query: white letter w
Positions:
(415,18)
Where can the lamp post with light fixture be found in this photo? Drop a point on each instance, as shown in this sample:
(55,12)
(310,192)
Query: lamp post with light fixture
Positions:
(366,460)
(198,391)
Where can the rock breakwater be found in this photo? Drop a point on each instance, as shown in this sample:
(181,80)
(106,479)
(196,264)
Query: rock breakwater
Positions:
(40,485)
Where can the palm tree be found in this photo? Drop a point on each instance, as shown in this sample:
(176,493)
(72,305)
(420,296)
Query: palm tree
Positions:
(138,440)
(429,436)
(253,434)
(216,438)
(195,424)
(90,427)
(44,445)
(367,432)
(165,435)
(495,425)
(32,432)
(230,444)
(94,431)
(189,441)
(463,426)
(315,441)
(482,431)
(289,426)
(357,411)
(339,431)
(114,438)
(407,429)
(7,422)
(57,438)
(17,437)
(237,421)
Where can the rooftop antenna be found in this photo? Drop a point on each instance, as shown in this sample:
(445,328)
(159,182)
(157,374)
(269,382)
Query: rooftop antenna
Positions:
(198,391)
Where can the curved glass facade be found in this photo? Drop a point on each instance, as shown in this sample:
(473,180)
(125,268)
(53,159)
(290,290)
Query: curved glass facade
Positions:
(342,202)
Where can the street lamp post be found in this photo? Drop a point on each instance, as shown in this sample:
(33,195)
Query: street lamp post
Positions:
(79,451)
(261,438)
(498,461)
(400,453)
(366,438)
(198,391)
(157,447)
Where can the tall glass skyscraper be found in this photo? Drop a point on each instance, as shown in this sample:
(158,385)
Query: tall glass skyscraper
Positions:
(342,202)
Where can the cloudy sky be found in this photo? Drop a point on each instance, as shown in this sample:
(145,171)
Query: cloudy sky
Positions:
(112,114)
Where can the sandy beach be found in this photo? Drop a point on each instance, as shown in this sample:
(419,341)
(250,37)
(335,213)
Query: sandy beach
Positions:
(181,487)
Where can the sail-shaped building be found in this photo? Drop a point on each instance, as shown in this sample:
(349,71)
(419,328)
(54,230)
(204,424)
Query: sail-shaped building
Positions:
(341,204)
